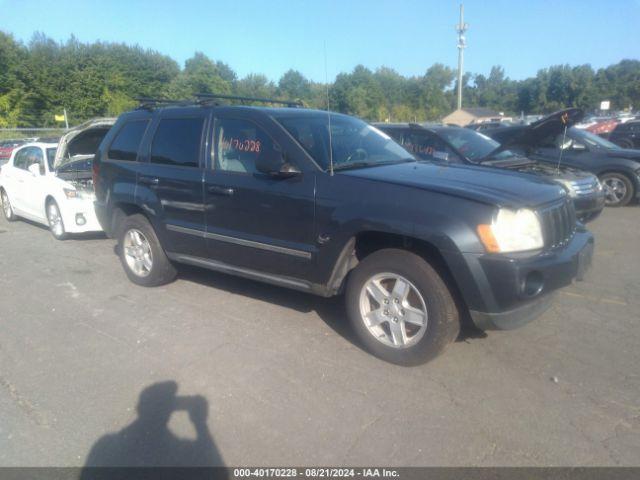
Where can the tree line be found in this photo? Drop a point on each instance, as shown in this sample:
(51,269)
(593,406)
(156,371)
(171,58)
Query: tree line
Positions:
(41,78)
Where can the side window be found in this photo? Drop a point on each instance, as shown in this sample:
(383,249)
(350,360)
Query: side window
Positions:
(27,157)
(428,147)
(177,142)
(238,144)
(20,160)
(125,144)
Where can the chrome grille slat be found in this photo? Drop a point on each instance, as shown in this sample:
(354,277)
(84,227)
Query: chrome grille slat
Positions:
(558,223)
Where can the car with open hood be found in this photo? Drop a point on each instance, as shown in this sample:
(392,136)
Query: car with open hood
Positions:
(51,183)
(327,204)
(456,145)
(555,141)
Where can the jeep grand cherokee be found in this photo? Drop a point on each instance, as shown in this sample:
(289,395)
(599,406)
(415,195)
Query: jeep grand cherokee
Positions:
(327,204)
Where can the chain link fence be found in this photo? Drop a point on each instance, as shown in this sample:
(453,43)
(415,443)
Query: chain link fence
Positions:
(30,134)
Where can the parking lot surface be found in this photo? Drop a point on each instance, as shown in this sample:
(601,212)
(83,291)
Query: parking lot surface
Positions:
(284,383)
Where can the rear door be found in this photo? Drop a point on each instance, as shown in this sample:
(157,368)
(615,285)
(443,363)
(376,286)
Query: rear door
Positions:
(170,183)
(14,175)
(254,220)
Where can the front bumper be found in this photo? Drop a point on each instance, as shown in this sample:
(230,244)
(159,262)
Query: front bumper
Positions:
(79,216)
(515,289)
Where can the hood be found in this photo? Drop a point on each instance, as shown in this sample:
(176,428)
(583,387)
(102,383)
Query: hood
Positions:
(494,187)
(531,135)
(526,165)
(624,153)
(81,142)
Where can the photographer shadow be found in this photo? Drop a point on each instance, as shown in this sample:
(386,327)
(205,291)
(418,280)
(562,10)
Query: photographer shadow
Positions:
(148,441)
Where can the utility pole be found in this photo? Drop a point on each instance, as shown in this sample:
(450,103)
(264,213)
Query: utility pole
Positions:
(66,120)
(461,28)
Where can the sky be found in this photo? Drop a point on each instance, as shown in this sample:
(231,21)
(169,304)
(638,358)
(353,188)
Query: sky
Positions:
(273,36)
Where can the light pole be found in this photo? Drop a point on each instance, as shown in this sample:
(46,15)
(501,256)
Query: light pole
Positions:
(461,28)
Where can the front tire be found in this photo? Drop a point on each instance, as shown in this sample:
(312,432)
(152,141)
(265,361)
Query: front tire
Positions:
(400,308)
(142,257)
(6,207)
(54,218)
(618,189)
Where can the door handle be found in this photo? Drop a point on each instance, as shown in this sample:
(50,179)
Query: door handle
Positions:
(149,180)
(216,190)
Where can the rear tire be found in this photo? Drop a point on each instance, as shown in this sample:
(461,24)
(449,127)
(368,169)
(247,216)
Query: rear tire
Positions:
(618,189)
(384,296)
(54,218)
(624,143)
(141,254)
(6,207)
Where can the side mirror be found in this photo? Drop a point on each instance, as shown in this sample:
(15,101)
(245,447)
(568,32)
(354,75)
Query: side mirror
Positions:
(273,163)
(34,168)
(578,146)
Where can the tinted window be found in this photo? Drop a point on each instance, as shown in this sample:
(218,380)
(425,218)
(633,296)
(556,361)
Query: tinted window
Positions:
(239,144)
(125,145)
(177,142)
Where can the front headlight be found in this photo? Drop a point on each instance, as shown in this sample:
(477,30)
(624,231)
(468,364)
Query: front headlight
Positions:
(70,193)
(512,231)
(568,186)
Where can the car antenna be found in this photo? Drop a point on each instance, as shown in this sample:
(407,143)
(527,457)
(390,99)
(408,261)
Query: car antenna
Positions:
(326,81)
(564,118)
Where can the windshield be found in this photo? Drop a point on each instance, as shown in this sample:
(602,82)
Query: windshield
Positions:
(51,155)
(473,145)
(593,140)
(353,142)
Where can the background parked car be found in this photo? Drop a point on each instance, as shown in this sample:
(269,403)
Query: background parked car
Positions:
(626,135)
(618,169)
(447,144)
(51,183)
(6,148)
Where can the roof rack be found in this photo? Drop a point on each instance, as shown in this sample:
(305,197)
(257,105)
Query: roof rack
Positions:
(208,97)
(149,103)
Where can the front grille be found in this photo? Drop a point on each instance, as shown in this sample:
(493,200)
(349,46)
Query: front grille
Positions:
(558,223)
(586,186)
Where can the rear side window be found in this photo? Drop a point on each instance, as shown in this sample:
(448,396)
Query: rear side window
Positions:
(177,142)
(125,145)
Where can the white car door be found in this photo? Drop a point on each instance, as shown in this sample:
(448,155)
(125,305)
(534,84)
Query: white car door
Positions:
(15,175)
(33,190)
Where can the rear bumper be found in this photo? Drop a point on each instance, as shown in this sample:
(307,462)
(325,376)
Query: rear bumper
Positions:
(102,217)
(511,290)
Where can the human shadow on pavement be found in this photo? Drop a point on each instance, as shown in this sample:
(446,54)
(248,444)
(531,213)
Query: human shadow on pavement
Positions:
(148,442)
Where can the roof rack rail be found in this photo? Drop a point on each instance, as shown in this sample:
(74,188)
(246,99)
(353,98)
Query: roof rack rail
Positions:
(148,103)
(207,97)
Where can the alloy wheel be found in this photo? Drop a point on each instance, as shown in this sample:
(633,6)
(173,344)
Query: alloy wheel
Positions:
(614,190)
(137,252)
(393,310)
(6,206)
(55,220)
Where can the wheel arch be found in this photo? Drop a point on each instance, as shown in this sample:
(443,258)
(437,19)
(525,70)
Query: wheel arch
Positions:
(367,242)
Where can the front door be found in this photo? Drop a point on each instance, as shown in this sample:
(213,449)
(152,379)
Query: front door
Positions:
(254,220)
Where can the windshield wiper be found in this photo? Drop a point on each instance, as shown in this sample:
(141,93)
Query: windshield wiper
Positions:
(349,165)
